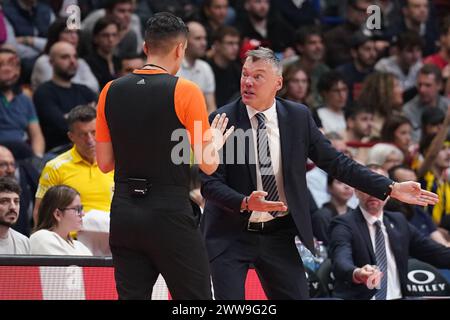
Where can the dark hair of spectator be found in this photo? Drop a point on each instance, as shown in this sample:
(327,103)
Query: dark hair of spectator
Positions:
(394,169)
(352,111)
(377,93)
(102,24)
(57,197)
(390,125)
(9,185)
(304,33)
(53,33)
(83,113)
(432,116)
(431,69)
(110,4)
(224,31)
(162,31)
(328,80)
(409,40)
(330,180)
(288,74)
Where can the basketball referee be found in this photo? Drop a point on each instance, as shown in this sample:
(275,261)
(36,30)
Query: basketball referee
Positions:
(153,229)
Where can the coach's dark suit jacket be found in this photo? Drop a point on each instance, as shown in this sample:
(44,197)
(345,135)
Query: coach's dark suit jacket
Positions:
(351,247)
(224,190)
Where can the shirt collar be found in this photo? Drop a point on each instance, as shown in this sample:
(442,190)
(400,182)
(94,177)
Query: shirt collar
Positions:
(370,218)
(270,113)
(77,158)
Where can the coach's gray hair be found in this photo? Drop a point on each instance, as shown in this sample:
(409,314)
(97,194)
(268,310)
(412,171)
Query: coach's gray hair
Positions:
(268,55)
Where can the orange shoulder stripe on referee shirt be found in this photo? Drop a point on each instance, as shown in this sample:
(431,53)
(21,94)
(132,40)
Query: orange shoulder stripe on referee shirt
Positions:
(101,126)
(190,107)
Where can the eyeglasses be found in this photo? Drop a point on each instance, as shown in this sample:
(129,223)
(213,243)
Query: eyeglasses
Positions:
(77,209)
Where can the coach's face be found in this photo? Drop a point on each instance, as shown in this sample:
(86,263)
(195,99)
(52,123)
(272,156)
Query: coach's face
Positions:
(260,82)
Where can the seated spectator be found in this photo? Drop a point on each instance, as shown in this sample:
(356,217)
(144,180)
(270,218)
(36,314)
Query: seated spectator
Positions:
(296,84)
(429,84)
(130,63)
(55,98)
(316,178)
(213,16)
(11,241)
(60,213)
(194,68)
(415,214)
(442,58)
(78,167)
(340,194)
(103,61)
(260,23)
(18,119)
(29,20)
(27,177)
(406,62)
(385,155)
(437,180)
(432,140)
(129,33)
(364,57)
(397,131)
(432,121)
(334,92)
(417,17)
(383,95)
(226,69)
(359,123)
(338,40)
(43,71)
(372,236)
(309,46)
(297,13)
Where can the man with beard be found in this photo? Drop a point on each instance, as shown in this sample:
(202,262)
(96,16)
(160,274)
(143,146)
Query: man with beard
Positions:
(27,177)
(11,241)
(364,56)
(55,98)
(260,23)
(18,120)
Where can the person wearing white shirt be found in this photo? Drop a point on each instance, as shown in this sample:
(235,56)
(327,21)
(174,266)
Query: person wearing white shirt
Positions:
(60,213)
(11,241)
(334,92)
(195,69)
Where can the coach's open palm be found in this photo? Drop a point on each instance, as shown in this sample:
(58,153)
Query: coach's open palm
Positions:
(219,130)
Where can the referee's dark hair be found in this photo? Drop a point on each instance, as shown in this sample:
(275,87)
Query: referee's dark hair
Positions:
(162,32)
(81,113)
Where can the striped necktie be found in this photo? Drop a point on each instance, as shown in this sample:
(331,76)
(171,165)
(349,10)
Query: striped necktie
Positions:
(265,163)
(380,255)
